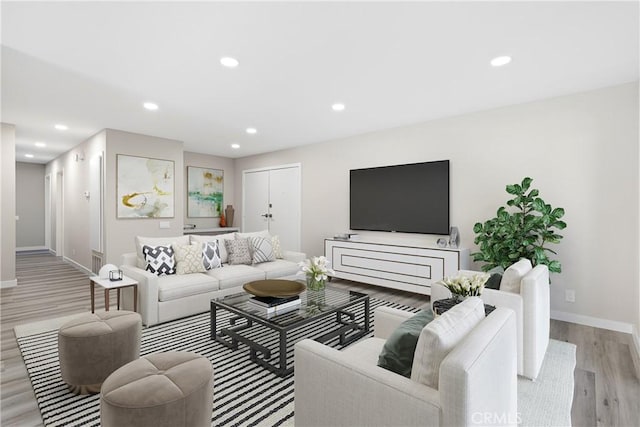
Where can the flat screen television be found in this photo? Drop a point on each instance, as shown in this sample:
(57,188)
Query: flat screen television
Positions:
(412,198)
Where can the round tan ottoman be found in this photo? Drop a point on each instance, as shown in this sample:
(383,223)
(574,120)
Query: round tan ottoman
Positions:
(163,389)
(92,346)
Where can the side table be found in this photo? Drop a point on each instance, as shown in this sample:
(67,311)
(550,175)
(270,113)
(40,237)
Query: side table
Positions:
(442,305)
(115,284)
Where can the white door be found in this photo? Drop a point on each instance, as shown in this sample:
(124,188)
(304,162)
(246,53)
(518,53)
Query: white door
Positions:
(284,206)
(271,200)
(255,206)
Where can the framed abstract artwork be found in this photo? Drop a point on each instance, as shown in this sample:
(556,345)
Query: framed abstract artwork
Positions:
(145,187)
(205,188)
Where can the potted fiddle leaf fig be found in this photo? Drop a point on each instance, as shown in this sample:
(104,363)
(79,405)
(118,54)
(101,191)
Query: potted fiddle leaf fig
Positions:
(523,229)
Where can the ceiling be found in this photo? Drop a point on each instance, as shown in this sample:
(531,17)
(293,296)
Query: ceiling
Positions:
(91,65)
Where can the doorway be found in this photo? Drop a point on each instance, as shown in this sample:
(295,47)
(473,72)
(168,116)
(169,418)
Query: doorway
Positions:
(271,200)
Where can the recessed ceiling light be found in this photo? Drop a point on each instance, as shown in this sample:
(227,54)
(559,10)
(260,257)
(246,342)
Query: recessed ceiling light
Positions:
(61,127)
(150,106)
(251,131)
(499,61)
(29,156)
(337,107)
(235,146)
(229,62)
(40,144)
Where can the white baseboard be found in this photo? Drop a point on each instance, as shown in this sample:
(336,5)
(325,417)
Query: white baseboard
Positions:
(9,283)
(80,266)
(31,248)
(596,322)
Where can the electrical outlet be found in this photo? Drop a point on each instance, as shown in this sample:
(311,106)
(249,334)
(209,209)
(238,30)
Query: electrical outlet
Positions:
(165,224)
(570,295)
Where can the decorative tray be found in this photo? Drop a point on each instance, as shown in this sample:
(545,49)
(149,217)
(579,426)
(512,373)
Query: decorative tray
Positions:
(274,288)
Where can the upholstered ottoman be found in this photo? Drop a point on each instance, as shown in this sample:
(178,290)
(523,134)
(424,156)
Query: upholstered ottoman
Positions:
(94,345)
(163,389)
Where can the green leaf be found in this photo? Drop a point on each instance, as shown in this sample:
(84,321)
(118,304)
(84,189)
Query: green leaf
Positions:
(526,183)
(533,193)
(511,189)
(558,212)
(477,228)
(555,267)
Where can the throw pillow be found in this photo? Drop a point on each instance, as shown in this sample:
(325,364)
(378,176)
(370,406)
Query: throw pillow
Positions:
(494,281)
(140,241)
(261,250)
(513,275)
(211,255)
(439,337)
(263,233)
(238,251)
(188,259)
(159,260)
(397,353)
(277,249)
(218,237)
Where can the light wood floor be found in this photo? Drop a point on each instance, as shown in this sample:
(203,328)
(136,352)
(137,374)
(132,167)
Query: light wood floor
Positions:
(607,391)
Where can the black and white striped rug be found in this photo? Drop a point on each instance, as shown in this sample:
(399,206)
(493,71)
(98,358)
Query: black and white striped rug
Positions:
(244,393)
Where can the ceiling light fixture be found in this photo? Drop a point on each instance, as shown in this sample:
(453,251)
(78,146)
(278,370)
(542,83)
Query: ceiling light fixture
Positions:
(337,107)
(29,156)
(235,146)
(252,131)
(229,62)
(40,144)
(61,127)
(499,61)
(150,106)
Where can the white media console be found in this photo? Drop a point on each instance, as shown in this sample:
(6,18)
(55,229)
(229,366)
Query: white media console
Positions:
(406,267)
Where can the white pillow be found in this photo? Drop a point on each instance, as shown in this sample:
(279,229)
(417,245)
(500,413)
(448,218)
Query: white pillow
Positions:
(440,336)
(277,249)
(156,241)
(513,276)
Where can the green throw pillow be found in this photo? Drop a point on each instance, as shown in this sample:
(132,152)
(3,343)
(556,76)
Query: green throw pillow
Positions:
(397,353)
(494,281)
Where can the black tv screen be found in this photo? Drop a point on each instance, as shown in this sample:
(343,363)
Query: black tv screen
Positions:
(411,198)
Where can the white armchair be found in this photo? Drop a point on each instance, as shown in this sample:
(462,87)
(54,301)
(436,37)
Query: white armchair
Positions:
(532,310)
(477,379)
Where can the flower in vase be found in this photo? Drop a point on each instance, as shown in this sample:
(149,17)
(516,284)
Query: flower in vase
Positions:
(464,285)
(316,269)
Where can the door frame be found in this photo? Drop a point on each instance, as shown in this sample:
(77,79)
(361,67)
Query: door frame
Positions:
(270,168)
(60,213)
(47,211)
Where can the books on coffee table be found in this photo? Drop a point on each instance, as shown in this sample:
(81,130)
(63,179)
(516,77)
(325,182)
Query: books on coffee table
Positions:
(272,306)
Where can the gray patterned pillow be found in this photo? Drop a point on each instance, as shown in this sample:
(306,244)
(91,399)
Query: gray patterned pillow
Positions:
(238,250)
(211,255)
(159,260)
(262,249)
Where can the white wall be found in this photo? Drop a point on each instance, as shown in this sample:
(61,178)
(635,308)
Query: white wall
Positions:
(75,165)
(581,150)
(30,205)
(120,233)
(211,162)
(8,206)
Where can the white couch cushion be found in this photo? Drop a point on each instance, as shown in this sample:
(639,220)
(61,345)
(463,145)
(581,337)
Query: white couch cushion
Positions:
(180,286)
(366,351)
(278,268)
(440,336)
(156,241)
(231,276)
(220,238)
(513,276)
(264,234)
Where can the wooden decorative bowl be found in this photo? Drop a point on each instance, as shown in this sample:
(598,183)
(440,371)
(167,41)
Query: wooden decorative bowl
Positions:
(274,288)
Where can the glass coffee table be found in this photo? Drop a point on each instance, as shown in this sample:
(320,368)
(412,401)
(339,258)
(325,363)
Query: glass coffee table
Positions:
(322,316)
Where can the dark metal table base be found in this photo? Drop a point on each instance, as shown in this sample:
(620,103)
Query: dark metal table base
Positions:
(261,355)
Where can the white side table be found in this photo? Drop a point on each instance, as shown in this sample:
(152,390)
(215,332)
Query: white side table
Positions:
(115,284)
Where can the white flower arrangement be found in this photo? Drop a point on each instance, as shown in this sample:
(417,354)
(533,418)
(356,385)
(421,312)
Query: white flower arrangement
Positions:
(465,285)
(317,268)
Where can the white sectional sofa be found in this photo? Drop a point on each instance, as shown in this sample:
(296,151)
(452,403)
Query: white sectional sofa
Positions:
(169,297)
